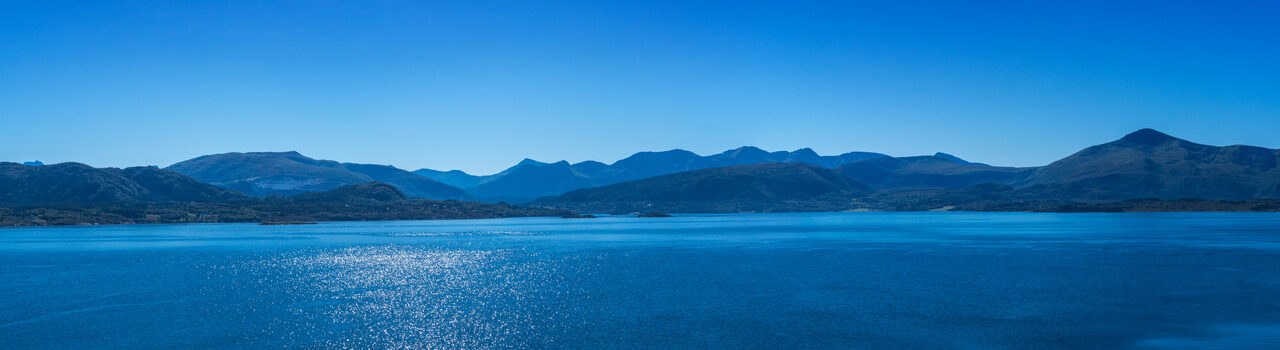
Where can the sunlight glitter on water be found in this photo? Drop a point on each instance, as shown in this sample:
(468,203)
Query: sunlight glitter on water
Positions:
(414,297)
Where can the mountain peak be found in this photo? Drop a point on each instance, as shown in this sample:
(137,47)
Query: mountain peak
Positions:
(744,151)
(950,158)
(1148,137)
(523,163)
(664,157)
(806,152)
(267,153)
(528,161)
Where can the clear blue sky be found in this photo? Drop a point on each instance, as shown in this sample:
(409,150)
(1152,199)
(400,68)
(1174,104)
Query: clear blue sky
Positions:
(478,85)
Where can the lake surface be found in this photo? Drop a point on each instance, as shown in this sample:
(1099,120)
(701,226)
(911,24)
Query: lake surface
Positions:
(843,280)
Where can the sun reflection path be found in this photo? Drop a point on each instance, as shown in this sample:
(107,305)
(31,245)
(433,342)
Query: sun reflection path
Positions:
(419,297)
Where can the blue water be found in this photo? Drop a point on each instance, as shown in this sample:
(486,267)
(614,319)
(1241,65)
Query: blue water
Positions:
(844,280)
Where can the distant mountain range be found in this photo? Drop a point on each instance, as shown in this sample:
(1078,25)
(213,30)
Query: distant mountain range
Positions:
(531,179)
(289,173)
(1143,164)
(1168,173)
(755,187)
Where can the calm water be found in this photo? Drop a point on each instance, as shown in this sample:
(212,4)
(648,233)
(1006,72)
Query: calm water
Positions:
(846,280)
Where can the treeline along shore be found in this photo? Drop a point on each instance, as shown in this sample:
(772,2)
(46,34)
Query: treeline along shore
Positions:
(364,202)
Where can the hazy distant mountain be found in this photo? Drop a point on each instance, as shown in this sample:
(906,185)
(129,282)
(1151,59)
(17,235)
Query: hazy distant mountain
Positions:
(528,181)
(288,173)
(649,164)
(75,183)
(531,179)
(1151,164)
(935,171)
(461,179)
(756,187)
(33,163)
(455,178)
(411,184)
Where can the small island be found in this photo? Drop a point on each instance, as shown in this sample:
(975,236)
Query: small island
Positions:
(654,215)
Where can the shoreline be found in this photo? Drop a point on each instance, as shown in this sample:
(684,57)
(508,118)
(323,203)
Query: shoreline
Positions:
(672,214)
